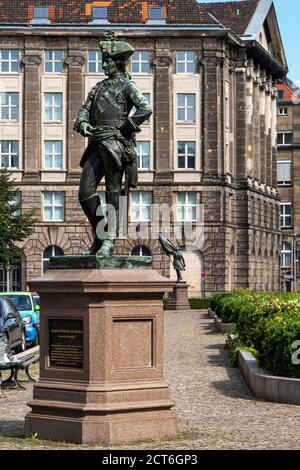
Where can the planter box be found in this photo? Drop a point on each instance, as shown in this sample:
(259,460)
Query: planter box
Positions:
(262,385)
(265,386)
(220,326)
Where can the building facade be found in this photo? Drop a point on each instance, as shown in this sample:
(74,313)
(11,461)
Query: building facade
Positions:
(288,141)
(209,72)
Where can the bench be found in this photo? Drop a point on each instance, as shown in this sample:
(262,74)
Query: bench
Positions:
(16,362)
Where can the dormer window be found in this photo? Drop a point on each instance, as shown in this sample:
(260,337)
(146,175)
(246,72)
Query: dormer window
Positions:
(155,15)
(99,15)
(41,15)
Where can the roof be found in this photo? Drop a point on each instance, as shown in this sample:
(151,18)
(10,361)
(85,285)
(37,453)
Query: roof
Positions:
(233,15)
(119,11)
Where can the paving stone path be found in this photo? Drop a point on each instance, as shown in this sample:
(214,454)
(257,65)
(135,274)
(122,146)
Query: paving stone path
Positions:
(215,410)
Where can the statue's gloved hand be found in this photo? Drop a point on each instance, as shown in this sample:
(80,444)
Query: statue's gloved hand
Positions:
(86,129)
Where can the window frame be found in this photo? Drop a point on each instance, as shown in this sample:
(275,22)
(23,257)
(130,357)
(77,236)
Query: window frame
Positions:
(284,133)
(53,155)
(10,61)
(140,156)
(53,106)
(53,61)
(10,106)
(10,154)
(281,108)
(284,253)
(186,108)
(140,205)
(186,206)
(186,155)
(140,63)
(283,183)
(186,62)
(53,205)
(97,62)
(284,215)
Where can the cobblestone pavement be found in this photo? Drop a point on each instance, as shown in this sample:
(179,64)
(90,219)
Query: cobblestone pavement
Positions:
(215,410)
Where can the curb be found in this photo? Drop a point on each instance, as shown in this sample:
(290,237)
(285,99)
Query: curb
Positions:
(226,328)
(262,385)
(265,386)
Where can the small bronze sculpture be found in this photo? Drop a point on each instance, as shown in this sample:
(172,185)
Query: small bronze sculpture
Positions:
(111,152)
(178,259)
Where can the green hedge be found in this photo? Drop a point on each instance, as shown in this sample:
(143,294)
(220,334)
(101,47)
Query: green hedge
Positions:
(199,303)
(267,323)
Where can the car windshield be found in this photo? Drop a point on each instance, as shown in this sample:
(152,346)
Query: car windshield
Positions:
(22,302)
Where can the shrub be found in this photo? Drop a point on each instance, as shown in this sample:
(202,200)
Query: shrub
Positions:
(267,323)
(199,303)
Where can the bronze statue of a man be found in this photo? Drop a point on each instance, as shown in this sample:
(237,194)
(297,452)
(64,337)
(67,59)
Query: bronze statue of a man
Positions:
(105,119)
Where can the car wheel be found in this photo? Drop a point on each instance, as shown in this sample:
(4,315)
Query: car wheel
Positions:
(22,345)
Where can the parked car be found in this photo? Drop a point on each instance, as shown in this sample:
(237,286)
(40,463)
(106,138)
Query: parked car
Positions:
(30,313)
(11,325)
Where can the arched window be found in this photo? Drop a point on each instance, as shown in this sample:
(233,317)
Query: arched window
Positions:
(50,252)
(141,250)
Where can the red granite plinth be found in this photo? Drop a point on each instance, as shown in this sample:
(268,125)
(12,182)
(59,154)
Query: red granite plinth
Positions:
(101,366)
(178,299)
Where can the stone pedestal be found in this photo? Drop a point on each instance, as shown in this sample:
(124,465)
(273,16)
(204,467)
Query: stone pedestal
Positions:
(178,299)
(101,367)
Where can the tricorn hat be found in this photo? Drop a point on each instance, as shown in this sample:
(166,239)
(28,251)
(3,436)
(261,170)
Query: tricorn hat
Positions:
(114,48)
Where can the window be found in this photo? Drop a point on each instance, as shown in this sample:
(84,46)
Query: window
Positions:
(284,138)
(9,61)
(140,62)
(16,201)
(286,255)
(284,172)
(185,62)
(283,111)
(41,12)
(54,61)
(286,215)
(140,206)
(186,207)
(99,13)
(53,106)
(280,94)
(9,106)
(53,206)
(95,62)
(53,154)
(9,154)
(141,250)
(186,107)
(155,13)
(50,252)
(143,152)
(186,155)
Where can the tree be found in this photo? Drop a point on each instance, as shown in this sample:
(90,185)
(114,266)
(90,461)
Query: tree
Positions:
(14,226)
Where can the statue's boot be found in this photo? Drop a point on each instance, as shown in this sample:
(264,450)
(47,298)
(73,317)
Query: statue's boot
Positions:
(90,208)
(108,244)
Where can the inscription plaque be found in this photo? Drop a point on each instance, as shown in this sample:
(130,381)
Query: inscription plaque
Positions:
(66,343)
